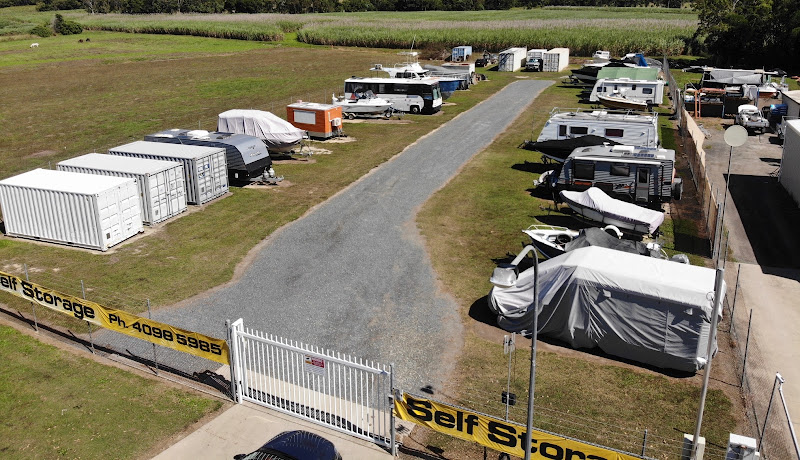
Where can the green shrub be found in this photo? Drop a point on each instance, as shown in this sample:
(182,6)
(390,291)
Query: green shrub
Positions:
(42,30)
(66,27)
(55,5)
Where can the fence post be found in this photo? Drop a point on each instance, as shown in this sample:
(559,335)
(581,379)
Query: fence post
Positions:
(232,358)
(91,341)
(746,347)
(735,293)
(33,305)
(708,208)
(392,440)
(644,442)
(766,416)
(155,354)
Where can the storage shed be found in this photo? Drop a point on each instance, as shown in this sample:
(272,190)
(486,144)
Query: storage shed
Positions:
(321,121)
(790,163)
(83,210)
(556,60)
(204,168)
(162,188)
(511,59)
(461,53)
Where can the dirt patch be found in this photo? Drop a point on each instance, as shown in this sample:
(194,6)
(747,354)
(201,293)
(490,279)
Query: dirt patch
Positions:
(41,154)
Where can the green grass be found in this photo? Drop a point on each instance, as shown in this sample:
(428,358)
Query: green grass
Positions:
(60,405)
(475,221)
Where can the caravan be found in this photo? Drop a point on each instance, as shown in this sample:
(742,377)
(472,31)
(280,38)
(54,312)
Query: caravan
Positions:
(640,175)
(640,130)
(649,91)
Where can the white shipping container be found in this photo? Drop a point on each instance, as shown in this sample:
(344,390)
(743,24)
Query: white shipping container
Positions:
(511,59)
(556,60)
(85,210)
(790,163)
(162,188)
(205,169)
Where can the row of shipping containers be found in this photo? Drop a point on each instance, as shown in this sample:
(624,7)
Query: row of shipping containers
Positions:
(513,59)
(96,201)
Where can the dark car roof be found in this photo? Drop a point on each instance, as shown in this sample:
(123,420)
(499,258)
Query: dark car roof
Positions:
(302,445)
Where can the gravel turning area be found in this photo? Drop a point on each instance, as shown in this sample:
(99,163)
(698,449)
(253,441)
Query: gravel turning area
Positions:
(353,275)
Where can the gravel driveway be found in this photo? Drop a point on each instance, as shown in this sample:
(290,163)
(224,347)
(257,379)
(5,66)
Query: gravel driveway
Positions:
(353,275)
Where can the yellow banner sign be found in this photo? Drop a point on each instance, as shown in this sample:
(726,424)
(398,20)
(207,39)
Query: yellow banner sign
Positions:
(496,434)
(118,320)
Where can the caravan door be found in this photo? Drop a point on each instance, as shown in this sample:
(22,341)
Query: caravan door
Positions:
(643,178)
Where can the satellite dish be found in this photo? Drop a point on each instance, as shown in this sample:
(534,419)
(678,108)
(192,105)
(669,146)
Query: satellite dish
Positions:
(736,136)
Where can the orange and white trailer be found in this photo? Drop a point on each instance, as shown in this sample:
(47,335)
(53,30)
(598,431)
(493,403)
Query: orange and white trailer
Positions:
(319,120)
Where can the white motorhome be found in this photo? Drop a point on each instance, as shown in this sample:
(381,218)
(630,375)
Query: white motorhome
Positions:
(628,128)
(649,91)
(406,95)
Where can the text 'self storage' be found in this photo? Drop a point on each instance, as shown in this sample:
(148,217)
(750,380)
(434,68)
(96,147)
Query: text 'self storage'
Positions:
(319,120)
(84,210)
(162,188)
(205,169)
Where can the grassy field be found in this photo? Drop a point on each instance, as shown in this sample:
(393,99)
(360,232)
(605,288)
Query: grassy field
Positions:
(654,31)
(60,405)
(476,221)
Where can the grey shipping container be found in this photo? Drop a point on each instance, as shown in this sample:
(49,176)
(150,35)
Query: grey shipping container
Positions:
(83,210)
(162,188)
(204,168)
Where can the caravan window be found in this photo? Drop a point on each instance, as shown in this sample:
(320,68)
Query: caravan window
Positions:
(584,170)
(633,87)
(579,130)
(647,90)
(620,170)
(562,130)
(614,132)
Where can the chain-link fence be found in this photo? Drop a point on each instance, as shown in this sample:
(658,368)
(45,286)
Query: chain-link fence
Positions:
(765,406)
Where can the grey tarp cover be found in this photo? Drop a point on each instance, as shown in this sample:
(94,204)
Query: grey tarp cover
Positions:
(596,199)
(644,309)
(274,131)
(734,77)
(594,236)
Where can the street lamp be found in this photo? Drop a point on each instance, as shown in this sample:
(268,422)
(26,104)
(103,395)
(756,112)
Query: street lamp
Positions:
(735,136)
(504,276)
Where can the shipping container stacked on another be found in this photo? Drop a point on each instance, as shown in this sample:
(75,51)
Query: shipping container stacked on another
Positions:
(204,168)
(83,210)
(555,60)
(162,187)
(319,120)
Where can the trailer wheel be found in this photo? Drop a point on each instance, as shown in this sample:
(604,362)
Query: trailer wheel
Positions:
(351,116)
(677,189)
(415,109)
(387,114)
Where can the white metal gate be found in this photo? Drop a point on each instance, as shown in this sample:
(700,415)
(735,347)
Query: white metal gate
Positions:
(340,392)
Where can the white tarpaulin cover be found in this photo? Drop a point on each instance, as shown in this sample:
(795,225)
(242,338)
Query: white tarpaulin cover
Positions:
(277,133)
(629,215)
(640,308)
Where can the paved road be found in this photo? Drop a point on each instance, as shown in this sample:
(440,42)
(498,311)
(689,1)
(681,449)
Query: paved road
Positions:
(353,275)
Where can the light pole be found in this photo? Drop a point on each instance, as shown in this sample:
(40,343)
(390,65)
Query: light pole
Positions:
(735,136)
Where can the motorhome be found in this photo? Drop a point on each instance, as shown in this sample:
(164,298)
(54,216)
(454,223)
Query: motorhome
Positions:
(640,175)
(649,91)
(406,95)
(628,128)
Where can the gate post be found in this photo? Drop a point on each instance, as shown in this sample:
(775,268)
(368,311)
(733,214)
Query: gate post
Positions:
(233,356)
(392,444)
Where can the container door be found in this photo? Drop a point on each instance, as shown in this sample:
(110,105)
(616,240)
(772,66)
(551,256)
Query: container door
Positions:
(204,185)
(177,189)
(110,219)
(643,179)
(159,196)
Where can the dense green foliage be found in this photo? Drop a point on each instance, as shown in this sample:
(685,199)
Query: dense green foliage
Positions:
(56,5)
(7,3)
(750,33)
(66,27)
(42,30)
